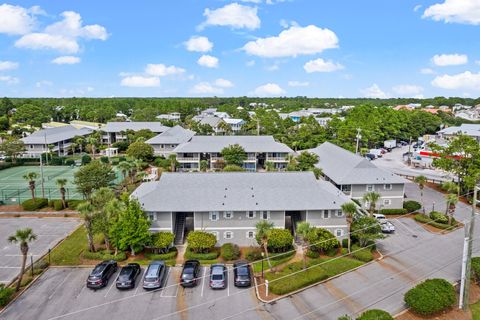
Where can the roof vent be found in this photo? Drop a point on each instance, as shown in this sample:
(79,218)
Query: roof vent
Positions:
(256,203)
(225,196)
(253,196)
(226,188)
(223,203)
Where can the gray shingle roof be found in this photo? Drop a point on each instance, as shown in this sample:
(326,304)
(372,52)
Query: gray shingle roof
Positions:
(211,121)
(54,135)
(175,135)
(344,167)
(217,143)
(238,191)
(135,126)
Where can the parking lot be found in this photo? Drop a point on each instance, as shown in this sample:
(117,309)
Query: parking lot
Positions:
(61,293)
(49,231)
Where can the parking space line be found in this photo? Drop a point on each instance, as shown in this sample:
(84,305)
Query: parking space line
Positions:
(58,285)
(163,289)
(139,285)
(7,267)
(203,281)
(113,283)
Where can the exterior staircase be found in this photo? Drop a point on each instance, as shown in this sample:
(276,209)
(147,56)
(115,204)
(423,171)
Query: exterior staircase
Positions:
(179,228)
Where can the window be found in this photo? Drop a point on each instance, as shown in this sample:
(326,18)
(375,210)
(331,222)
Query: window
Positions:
(265,215)
(339,232)
(152,216)
(250,234)
(326,214)
(387,202)
(346,188)
(339,213)
(215,233)
(228,214)
(250,214)
(387,186)
(228,235)
(214,215)
(370,187)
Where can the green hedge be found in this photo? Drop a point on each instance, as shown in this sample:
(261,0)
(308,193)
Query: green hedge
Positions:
(72,204)
(393,211)
(5,295)
(375,314)
(296,281)
(362,254)
(189,254)
(412,206)
(230,252)
(172,254)
(34,205)
(438,217)
(431,297)
(253,254)
(279,240)
(104,255)
(201,241)
(424,219)
(58,205)
(476,268)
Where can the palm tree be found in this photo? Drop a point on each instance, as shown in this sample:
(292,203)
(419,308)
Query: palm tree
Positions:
(92,142)
(80,141)
(372,198)
(137,166)
(263,227)
(112,209)
(73,147)
(450,187)
(452,200)
(87,212)
(225,127)
(421,181)
(203,165)
(303,228)
(173,162)
(30,177)
(23,237)
(350,209)
(61,184)
(317,172)
(125,167)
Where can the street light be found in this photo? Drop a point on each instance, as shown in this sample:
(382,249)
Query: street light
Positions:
(433,206)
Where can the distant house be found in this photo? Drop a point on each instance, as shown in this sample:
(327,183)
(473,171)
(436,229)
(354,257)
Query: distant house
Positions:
(53,124)
(173,116)
(212,121)
(60,137)
(235,124)
(355,176)
(471,130)
(229,205)
(259,150)
(87,124)
(164,143)
(116,131)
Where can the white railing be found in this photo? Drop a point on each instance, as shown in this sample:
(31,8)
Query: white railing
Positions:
(188,159)
(283,159)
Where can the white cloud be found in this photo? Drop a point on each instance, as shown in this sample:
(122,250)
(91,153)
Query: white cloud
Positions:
(250,63)
(298,84)
(268,89)
(15,19)
(427,71)
(198,44)
(43,83)
(455,11)
(161,70)
(38,41)
(477,62)
(208,61)
(140,81)
(417,7)
(223,83)
(252,1)
(205,88)
(232,15)
(407,90)
(465,80)
(273,67)
(66,60)
(293,42)
(9,79)
(374,92)
(8,65)
(455,59)
(320,65)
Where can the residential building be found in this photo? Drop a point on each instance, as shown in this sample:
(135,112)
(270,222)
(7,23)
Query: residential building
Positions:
(116,131)
(230,204)
(59,137)
(215,123)
(87,124)
(173,116)
(53,124)
(164,143)
(259,150)
(235,124)
(356,176)
(472,130)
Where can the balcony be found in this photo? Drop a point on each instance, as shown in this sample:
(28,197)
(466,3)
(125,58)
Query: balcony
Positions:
(276,159)
(188,159)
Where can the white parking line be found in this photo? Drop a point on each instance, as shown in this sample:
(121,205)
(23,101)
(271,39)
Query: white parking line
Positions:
(58,286)
(163,289)
(139,284)
(113,283)
(7,267)
(20,255)
(203,281)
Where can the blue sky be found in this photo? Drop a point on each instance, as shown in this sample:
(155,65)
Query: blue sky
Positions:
(342,48)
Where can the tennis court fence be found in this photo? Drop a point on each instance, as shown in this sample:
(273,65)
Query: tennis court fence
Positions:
(18,195)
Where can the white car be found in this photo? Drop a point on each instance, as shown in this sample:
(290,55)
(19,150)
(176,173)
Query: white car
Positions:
(380,217)
(387,227)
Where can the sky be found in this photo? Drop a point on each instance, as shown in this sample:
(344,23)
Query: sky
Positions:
(261,48)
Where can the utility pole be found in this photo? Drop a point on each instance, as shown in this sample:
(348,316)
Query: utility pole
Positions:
(41,176)
(467,255)
(409,150)
(359,136)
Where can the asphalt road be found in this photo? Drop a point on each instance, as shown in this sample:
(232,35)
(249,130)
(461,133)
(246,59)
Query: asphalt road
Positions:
(49,231)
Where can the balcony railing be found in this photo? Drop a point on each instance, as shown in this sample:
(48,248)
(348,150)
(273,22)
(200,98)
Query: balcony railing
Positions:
(188,159)
(282,159)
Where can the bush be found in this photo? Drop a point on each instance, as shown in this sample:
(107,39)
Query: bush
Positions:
(412,206)
(162,163)
(5,295)
(423,219)
(295,281)
(253,254)
(230,251)
(34,205)
(162,240)
(122,158)
(56,161)
(313,254)
(332,252)
(438,217)
(189,254)
(86,159)
(121,145)
(375,314)
(322,240)
(279,240)
(393,211)
(201,242)
(476,268)
(344,243)
(104,159)
(431,296)
(69,162)
(362,254)
(72,204)
(170,255)
(58,205)
(104,255)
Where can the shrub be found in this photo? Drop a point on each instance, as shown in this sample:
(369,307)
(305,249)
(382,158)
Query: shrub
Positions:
(313,254)
(86,159)
(393,211)
(279,240)
(332,252)
(431,296)
(322,240)
(295,281)
(375,314)
(344,243)
(104,159)
(58,205)
(230,251)
(162,240)
(51,203)
(201,242)
(170,255)
(362,254)
(122,158)
(69,162)
(121,145)
(411,206)
(189,254)
(476,268)
(253,254)
(57,161)
(438,217)
(423,219)
(5,295)
(345,317)
(34,205)
(72,204)
(104,255)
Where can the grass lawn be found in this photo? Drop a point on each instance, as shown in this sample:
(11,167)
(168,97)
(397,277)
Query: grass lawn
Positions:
(275,259)
(475,308)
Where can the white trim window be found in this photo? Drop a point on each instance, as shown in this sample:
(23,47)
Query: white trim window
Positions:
(326,214)
(338,232)
(152,216)
(387,186)
(339,213)
(228,235)
(250,234)
(264,215)
(228,214)
(387,202)
(251,214)
(215,233)
(214,215)
(370,187)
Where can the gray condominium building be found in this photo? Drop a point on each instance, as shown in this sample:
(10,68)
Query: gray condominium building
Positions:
(355,176)
(229,204)
(116,131)
(164,143)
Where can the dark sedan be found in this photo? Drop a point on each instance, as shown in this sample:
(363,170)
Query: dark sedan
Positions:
(100,275)
(190,273)
(242,274)
(128,275)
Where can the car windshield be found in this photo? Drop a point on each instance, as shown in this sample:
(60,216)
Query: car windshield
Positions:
(217,277)
(242,271)
(98,270)
(187,276)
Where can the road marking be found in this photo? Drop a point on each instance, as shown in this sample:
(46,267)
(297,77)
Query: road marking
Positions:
(163,289)
(7,267)
(136,282)
(19,255)
(58,286)
(203,281)
(405,226)
(113,283)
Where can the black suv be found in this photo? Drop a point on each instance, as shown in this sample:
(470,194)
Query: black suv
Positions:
(99,276)
(128,275)
(154,275)
(190,273)
(242,274)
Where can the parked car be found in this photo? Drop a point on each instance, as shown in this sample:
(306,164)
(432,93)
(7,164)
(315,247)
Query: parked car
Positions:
(387,227)
(403,143)
(127,276)
(190,273)
(100,275)
(242,274)
(218,276)
(370,156)
(380,217)
(154,275)
(377,152)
